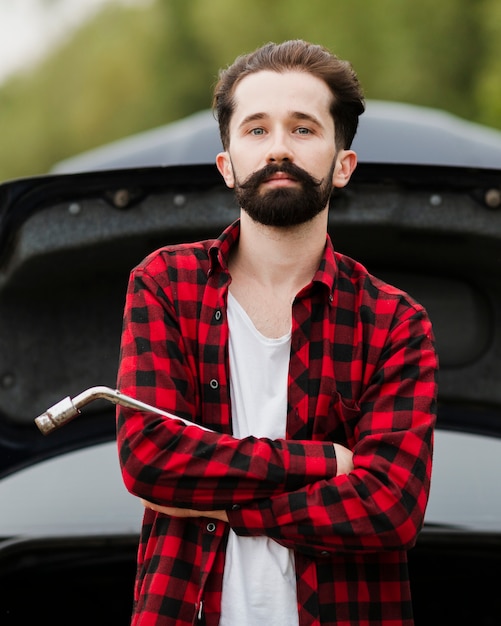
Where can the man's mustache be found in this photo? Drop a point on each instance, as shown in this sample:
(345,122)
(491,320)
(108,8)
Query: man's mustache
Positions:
(262,175)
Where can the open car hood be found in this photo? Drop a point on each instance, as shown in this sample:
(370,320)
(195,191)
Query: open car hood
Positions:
(68,242)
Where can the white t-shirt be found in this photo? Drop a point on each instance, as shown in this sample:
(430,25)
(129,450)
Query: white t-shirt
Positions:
(259,582)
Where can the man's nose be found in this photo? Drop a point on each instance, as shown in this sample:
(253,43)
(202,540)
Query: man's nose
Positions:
(279,149)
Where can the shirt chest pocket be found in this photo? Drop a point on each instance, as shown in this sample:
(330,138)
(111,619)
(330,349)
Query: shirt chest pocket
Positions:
(335,419)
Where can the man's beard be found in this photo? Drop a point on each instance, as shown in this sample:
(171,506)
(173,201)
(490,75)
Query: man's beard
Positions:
(284,206)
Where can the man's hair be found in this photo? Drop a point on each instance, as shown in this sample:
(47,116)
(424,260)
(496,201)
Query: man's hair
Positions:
(295,55)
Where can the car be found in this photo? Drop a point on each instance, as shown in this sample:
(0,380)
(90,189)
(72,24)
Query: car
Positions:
(389,132)
(423,211)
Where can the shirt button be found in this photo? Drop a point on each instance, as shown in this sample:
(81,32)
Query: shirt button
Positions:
(211,527)
(214,384)
(217,315)
(324,553)
(235,507)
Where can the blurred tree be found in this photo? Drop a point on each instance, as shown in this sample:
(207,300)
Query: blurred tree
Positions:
(135,68)
(183,62)
(487,95)
(91,91)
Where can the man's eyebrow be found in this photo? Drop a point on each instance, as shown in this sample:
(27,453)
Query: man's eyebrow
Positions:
(254,117)
(298,115)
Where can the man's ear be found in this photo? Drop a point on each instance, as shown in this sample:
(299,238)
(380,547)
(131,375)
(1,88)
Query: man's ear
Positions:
(345,164)
(225,168)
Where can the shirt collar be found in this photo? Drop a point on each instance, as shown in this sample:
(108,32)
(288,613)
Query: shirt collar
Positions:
(221,248)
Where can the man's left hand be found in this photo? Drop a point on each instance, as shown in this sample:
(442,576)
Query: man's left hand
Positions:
(174,511)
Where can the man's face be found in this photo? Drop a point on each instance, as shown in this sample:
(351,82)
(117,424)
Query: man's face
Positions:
(281,159)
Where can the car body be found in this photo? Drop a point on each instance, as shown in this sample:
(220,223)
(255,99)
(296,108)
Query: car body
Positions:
(427,220)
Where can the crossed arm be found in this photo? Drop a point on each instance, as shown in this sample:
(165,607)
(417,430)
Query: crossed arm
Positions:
(344,466)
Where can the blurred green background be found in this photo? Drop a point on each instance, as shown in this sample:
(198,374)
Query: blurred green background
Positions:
(132,68)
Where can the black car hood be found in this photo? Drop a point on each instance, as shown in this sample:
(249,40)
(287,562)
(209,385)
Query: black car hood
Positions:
(68,242)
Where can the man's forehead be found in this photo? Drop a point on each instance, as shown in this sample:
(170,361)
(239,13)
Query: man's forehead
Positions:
(296,92)
(273,77)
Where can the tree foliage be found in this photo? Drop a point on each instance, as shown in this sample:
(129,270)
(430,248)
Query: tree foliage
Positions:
(134,68)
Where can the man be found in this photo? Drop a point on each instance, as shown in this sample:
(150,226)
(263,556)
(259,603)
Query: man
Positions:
(297,497)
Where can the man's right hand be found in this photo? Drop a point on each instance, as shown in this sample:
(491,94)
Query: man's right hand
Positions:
(344,458)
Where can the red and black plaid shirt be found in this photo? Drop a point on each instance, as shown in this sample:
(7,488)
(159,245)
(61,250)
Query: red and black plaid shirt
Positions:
(362,373)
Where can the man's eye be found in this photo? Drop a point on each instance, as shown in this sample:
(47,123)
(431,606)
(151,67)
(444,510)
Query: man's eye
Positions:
(303,131)
(257,131)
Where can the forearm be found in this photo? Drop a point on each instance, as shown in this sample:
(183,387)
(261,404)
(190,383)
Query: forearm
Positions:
(380,505)
(344,466)
(189,467)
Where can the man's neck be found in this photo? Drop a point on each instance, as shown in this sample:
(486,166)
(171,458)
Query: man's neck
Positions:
(280,257)
(270,266)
